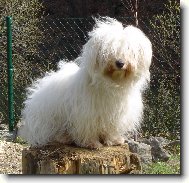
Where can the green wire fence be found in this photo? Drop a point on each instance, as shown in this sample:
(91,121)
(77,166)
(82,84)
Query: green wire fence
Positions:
(35,48)
(10,73)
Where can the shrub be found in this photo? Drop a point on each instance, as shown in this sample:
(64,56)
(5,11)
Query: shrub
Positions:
(26,16)
(162,100)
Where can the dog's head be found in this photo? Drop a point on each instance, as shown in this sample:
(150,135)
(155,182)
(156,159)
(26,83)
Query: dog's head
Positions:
(116,52)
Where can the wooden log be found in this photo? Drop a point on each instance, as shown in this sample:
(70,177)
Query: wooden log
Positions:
(61,159)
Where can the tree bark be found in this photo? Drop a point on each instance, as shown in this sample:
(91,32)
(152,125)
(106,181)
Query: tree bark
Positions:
(61,159)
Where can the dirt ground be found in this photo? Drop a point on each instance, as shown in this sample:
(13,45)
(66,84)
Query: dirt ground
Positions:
(10,153)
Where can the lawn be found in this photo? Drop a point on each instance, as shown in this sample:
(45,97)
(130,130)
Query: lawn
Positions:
(172,166)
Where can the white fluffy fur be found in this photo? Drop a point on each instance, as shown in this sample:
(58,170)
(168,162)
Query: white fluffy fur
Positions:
(94,103)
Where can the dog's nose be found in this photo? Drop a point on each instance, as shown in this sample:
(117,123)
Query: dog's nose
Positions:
(119,63)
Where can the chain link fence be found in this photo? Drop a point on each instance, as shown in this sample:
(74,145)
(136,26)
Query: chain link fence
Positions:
(57,39)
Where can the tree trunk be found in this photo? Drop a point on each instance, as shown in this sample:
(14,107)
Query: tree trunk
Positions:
(61,159)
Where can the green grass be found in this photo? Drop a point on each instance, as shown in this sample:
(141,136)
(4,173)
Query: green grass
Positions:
(172,166)
(19,140)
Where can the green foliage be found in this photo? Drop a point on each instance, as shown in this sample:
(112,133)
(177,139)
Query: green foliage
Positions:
(26,33)
(162,100)
(25,15)
(162,111)
(166,27)
(25,29)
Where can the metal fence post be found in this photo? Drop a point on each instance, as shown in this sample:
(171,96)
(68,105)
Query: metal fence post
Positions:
(10,73)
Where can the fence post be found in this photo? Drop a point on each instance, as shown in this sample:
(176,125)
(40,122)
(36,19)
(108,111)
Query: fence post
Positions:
(10,73)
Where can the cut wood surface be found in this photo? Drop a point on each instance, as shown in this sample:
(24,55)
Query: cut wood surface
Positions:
(61,159)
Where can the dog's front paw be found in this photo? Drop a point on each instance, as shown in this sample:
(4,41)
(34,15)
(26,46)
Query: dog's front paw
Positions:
(108,143)
(118,141)
(114,141)
(92,145)
(64,138)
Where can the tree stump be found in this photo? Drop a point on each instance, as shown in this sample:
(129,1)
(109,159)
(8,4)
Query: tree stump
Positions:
(63,159)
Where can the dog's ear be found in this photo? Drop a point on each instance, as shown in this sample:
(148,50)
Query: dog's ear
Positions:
(96,66)
(89,55)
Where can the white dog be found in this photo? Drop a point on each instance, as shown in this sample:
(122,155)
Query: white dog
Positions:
(95,103)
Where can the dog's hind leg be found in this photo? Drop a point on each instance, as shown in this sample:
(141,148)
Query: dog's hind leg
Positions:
(64,138)
(91,144)
(110,141)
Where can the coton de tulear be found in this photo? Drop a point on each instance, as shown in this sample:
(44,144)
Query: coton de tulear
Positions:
(97,102)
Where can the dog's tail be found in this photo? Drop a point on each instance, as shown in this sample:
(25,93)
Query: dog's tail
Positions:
(64,64)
